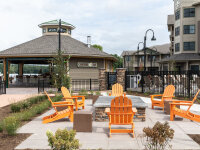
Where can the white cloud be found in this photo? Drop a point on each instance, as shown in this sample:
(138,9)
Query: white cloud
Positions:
(115,24)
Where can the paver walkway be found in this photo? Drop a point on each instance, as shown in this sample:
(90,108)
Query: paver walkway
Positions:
(16,94)
(99,137)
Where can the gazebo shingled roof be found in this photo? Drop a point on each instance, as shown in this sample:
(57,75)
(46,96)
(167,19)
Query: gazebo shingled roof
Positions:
(48,45)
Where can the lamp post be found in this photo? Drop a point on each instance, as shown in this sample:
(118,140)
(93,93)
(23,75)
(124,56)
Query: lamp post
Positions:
(145,39)
(152,57)
(59,38)
(138,47)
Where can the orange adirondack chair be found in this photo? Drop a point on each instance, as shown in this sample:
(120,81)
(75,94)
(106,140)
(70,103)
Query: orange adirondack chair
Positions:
(121,113)
(68,112)
(167,95)
(117,90)
(182,113)
(73,99)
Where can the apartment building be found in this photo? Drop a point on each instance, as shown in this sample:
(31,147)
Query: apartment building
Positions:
(134,60)
(184,28)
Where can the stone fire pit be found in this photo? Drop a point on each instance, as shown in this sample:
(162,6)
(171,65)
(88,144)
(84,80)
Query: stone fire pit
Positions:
(104,102)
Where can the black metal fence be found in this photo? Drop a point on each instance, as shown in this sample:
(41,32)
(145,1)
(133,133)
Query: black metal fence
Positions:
(43,85)
(2,87)
(111,79)
(85,84)
(186,82)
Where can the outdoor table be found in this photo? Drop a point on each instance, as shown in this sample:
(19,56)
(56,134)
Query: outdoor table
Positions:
(104,102)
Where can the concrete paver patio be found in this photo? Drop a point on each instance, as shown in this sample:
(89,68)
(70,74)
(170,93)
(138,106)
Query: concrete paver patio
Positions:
(99,137)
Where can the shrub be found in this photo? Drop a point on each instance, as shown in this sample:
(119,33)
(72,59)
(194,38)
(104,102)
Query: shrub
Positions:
(158,137)
(10,124)
(83,92)
(16,107)
(1,126)
(25,105)
(26,115)
(63,140)
(98,93)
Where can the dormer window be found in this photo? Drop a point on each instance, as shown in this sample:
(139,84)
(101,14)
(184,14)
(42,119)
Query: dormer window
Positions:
(52,29)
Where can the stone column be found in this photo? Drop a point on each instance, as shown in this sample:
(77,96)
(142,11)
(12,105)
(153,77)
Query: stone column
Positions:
(102,80)
(121,76)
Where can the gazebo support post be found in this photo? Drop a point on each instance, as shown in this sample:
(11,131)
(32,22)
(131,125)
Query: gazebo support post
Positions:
(5,71)
(21,66)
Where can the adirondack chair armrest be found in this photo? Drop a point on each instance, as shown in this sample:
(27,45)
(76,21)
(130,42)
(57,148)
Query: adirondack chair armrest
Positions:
(58,103)
(63,105)
(178,101)
(186,104)
(168,96)
(134,110)
(152,96)
(110,94)
(70,97)
(83,97)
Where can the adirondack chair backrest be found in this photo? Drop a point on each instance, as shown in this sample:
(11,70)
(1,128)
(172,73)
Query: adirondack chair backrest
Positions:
(169,92)
(50,100)
(66,93)
(117,90)
(195,97)
(121,110)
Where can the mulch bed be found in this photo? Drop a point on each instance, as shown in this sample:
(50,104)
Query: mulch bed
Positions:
(195,137)
(10,142)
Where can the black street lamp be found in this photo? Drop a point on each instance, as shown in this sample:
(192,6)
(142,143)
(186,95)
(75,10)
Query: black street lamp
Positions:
(145,39)
(151,55)
(138,53)
(59,38)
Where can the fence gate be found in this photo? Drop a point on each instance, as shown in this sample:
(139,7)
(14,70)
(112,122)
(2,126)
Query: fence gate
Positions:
(111,79)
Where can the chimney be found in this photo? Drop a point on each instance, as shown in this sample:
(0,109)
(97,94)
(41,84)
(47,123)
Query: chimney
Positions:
(89,41)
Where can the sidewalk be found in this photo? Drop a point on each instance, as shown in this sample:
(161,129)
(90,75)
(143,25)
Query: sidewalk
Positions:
(99,137)
(16,94)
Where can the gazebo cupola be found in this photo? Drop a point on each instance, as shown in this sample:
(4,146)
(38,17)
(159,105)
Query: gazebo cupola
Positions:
(51,28)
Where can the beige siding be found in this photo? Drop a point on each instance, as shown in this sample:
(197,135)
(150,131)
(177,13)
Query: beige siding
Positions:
(84,73)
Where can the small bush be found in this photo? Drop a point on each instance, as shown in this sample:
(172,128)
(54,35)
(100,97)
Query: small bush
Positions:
(26,115)
(63,140)
(98,93)
(15,107)
(1,126)
(83,92)
(25,105)
(158,137)
(11,124)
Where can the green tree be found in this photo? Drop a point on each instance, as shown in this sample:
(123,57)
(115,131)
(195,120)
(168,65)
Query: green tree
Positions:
(118,63)
(99,47)
(59,74)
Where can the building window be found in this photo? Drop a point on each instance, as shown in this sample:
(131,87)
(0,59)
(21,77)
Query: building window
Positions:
(189,46)
(44,30)
(194,67)
(189,12)
(177,47)
(189,29)
(52,29)
(69,31)
(177,15)
(63,30)
(177,31)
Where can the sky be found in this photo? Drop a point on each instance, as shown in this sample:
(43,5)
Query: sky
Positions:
(117,25)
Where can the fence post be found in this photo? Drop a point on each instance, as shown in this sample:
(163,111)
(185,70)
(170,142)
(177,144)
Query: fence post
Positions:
(142,82)
(4,88)
(90,84)
(125,81)
(163,77)
(188,73)
(43,86)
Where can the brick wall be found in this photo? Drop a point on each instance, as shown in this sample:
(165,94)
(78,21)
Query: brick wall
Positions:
(121,76)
